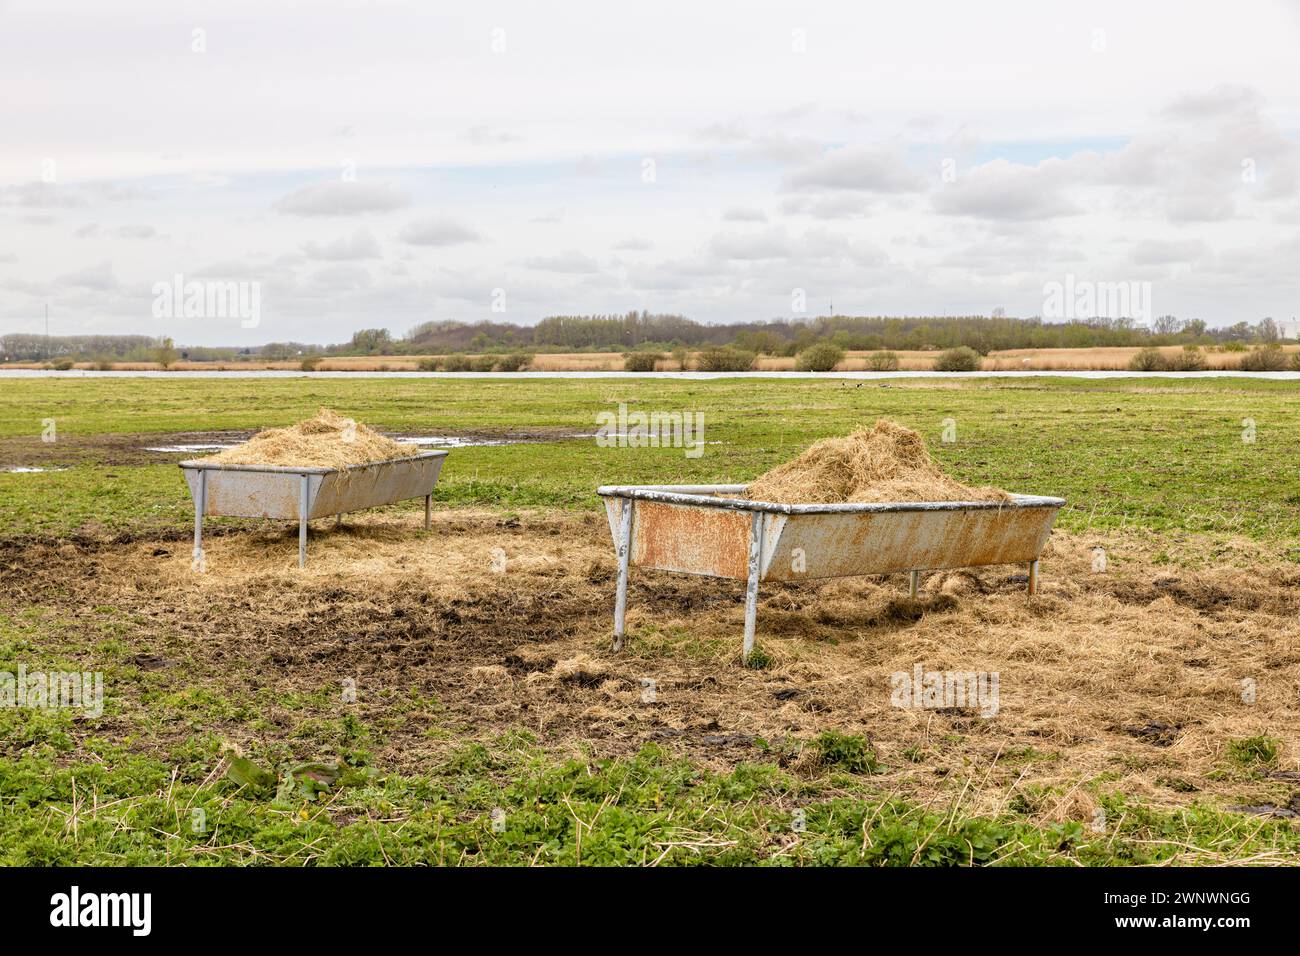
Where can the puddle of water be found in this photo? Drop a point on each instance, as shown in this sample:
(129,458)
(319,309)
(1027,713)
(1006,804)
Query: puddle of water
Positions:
(187,449)
(453,441)
(420,441)
(24,470)
(423,441)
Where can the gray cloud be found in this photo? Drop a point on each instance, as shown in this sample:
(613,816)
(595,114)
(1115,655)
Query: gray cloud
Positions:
(768,244)
(437,232)
(1168,251)
(343,199)
(136,232)
(361,244)
(99,278)
(1003,190)
(876,169)
(566,262)
(40,195)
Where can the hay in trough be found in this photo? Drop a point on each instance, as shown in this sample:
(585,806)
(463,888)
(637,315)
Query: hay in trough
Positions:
(881,464)
(327,440)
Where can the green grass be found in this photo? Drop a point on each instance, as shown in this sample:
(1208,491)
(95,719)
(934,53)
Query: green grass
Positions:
(1147,453)
(507,803)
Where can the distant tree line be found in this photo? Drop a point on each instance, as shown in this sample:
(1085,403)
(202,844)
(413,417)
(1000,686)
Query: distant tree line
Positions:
(636,331)
(642,330)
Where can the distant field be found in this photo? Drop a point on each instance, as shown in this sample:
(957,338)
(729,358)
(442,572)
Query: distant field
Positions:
(1027,360)
(1153,453)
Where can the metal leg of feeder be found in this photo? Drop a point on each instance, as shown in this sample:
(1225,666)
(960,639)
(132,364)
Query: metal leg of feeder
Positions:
(338,520)
(751,585)
(200,506)
(913,584)
(428,512)
(302,521)
(624,559)
(1033,577)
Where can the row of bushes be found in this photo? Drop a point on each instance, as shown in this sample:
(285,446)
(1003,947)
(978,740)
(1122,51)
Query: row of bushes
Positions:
(724,359)
(821,357)
(478,363)
(1270,358)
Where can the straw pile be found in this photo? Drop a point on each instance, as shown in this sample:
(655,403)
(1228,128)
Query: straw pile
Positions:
(880,464)
(326,441)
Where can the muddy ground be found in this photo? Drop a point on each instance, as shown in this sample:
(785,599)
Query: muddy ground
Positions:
(1133,678)
(29,451)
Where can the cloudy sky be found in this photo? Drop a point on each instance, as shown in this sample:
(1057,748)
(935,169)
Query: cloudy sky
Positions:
(383,164)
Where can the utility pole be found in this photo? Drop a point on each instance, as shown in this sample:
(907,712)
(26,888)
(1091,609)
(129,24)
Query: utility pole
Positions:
(47,331)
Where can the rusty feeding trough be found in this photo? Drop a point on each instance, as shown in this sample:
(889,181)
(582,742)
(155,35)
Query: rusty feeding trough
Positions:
(300,494)
(710,530)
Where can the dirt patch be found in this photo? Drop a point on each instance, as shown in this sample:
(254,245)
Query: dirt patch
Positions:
(26,451)
(1096,682)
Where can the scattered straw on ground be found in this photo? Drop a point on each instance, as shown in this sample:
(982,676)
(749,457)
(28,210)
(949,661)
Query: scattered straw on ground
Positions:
(1129,675)
(327,440)
(884,463)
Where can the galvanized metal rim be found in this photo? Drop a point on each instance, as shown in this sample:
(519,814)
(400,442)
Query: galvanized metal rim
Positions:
(201,464)
(705,496)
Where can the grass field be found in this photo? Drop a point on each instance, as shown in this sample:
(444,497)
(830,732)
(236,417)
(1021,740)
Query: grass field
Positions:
(491,723)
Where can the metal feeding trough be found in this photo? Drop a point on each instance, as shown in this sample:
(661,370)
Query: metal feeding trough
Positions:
(697,529)
(300,494)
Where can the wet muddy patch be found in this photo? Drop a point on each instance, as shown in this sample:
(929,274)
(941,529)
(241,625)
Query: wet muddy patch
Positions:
(30,453)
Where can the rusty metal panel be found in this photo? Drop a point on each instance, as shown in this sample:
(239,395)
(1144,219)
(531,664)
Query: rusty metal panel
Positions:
(684,528)
(686,539)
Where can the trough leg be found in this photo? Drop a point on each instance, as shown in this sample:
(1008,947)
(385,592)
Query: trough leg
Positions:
(338,520)
(302,521)
(913,584)
(624,558)
(200,506)
(1033,577)
(428,511)
(751,585)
